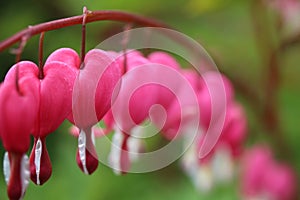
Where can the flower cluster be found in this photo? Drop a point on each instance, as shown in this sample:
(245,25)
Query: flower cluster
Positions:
(122,89)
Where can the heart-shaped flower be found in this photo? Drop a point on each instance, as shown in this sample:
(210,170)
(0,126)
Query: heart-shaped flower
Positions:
(91,99)
(263,176)
(143,86)
(131,107)
(54,91)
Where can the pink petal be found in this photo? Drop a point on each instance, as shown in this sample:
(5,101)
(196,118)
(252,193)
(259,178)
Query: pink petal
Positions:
(65,55)
(256,163)
(280,182)
(26,69)
(163,58)
(18,114)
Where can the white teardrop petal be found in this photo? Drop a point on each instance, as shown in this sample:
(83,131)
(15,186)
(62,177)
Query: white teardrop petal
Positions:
(37,159)
(6,167)
(115,152)
(25,173)
(82,149)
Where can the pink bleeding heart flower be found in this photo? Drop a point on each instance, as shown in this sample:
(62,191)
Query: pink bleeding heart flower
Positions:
(92,98)
(233,133)
(138,109)
(19,109)
(280,182)
(119,57)
(263,177)
(145,85)
(126,115)
(54,91)
(213,98)
(163,96)
(67,56)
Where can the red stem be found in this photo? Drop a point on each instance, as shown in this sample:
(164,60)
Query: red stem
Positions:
(18,53)
(91,16)
(41,44)
(82,53)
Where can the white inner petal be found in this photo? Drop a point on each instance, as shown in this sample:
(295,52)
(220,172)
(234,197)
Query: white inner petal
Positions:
(37,159)
(82,149)
(115,151)
(135,146)
(223,164)
(25,173)
(6,167)
(93,137)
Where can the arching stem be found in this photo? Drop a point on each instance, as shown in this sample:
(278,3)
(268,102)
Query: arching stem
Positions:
(18,53)
(92,16)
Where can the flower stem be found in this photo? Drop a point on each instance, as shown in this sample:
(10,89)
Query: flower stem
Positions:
(41,44)
(82,53)
(18,53)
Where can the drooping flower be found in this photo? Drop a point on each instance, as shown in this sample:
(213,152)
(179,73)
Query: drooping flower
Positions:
(142,88)
(233,133)
(218,164)
(54,93)
(219,169)
(19,109)
(92,97)
(264,178)
(131,107)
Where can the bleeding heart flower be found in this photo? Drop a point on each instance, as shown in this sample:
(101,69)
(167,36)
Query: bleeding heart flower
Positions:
(218,170)
(54,93)
(92,98)
(263,177)
(145,85)
(126,115)
(233,133)
(19,109)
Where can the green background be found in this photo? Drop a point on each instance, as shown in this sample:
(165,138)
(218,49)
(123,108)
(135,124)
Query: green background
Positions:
(224,28)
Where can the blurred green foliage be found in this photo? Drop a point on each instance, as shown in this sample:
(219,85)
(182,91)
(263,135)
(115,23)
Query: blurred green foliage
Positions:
(224,28)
